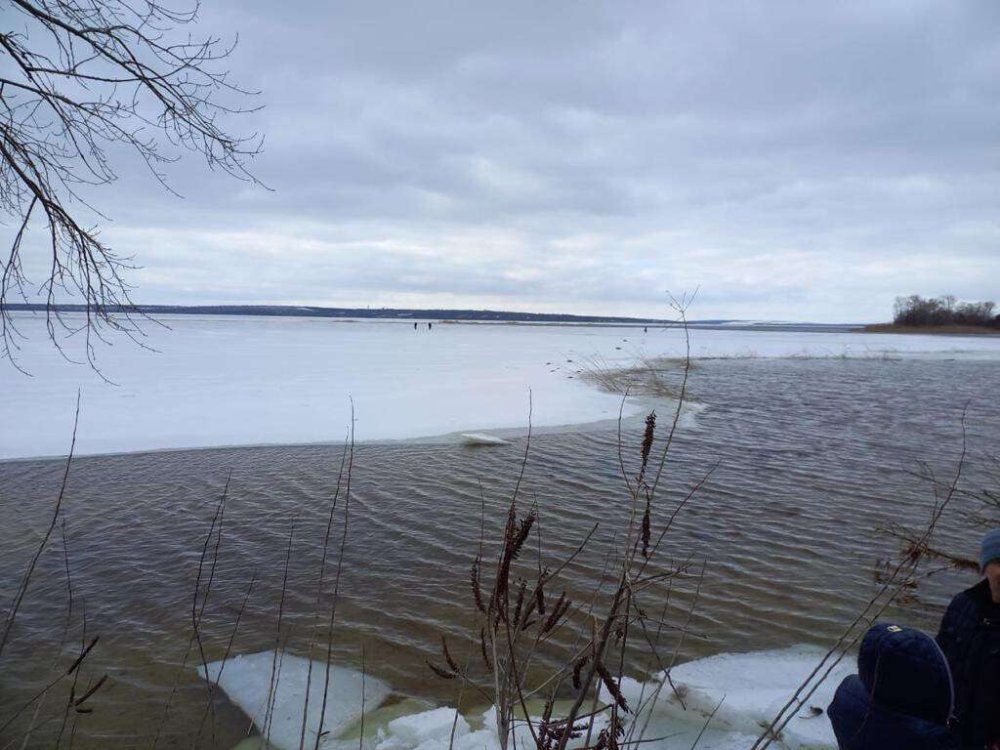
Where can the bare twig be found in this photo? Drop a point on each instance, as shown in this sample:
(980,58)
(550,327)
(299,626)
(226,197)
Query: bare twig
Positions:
(22,588)
(83,81)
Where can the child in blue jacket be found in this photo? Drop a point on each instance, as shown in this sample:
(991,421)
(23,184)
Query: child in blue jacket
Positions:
(902,697)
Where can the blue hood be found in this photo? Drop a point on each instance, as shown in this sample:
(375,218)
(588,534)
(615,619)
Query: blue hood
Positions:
(902,696)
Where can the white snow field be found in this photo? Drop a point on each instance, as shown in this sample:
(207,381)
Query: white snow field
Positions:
(723,702)
(220,380)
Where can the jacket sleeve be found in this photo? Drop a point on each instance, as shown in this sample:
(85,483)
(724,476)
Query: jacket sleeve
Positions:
(947,637)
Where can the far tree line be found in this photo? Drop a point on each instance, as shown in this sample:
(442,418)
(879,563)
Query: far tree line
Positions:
(944,311)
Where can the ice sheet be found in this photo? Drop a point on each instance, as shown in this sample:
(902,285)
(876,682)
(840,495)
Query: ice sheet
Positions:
(426,730)
(247,680)
(215,381)
(727,699)
(746,691)
(246,381)
(477,439)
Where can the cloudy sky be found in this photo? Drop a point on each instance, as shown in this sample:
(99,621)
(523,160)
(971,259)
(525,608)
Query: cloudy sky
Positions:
(790,160)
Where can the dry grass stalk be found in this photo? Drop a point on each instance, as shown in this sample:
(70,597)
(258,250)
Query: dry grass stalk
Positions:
(520,613)
(75,704)
(22,588)
(336,586)
(200,598)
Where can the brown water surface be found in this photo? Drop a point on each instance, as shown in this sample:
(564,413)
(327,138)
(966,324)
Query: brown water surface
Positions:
(812,457)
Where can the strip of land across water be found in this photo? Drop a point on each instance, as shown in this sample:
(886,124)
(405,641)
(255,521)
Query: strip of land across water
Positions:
(499,316)
(436,314)
(309,311)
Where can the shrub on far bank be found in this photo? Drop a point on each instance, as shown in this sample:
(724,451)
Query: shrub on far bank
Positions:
(943,311)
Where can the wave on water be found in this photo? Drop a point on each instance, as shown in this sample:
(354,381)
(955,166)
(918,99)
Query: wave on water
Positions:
(722,702)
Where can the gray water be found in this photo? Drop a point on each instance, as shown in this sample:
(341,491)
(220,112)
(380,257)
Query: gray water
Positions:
(811,458)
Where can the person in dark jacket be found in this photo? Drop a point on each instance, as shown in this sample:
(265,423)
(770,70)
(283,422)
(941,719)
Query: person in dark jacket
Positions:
(902,697)
(970,637)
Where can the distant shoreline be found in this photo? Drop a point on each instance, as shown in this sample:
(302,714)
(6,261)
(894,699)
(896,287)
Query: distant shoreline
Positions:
(383,313)
(442,315)
(946,330)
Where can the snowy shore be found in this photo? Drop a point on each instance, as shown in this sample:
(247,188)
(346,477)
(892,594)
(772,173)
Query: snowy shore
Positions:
(719,703)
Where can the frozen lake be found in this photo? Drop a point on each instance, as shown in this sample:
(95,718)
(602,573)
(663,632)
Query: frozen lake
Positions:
(219,381)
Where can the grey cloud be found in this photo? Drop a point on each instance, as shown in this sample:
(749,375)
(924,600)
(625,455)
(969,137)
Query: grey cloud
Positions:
(793,160)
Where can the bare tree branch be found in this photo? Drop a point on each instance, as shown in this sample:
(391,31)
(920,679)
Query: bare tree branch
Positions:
(81,77)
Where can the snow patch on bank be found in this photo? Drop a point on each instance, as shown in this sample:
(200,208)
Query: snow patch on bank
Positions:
(273,688)
(745,692)
(727,700)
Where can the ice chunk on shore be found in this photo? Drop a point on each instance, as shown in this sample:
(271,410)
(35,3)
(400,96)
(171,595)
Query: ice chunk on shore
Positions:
(755,686)
(371,727)
(427,730)
(723,701)
(744,692)
(253,681)
(476,439)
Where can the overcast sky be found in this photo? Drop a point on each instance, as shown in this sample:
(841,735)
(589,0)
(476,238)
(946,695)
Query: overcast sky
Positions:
(791,160)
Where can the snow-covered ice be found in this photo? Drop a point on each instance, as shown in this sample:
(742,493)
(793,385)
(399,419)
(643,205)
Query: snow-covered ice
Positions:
(429,728)
(272,688)
(745,692)
(217,380)
(725,699)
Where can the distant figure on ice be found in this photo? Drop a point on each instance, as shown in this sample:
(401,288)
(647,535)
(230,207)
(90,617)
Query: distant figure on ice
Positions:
(970,637)
(430,326)
(902,697)
(414,325)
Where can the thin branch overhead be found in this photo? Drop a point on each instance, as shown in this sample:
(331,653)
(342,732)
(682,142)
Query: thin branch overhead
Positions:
(80,79)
